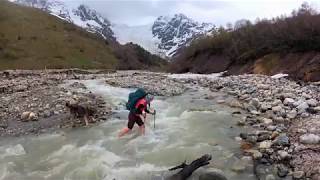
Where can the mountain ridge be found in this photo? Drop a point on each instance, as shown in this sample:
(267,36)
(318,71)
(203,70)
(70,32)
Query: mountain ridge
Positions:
(164,37)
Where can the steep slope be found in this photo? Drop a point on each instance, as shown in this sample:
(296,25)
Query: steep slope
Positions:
(132,56)
(80,15)
(282,45)
(141,35)
(31,39)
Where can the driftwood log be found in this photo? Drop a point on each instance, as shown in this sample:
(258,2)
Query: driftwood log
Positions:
(187,170)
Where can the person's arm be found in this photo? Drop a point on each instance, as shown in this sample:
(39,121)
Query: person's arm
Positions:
(150,111)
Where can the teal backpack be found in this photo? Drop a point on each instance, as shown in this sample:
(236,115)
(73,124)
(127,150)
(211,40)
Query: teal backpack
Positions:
(134,97)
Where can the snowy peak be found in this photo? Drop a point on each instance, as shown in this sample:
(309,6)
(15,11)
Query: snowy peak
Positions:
(81,16)
(87,14)
(92,21)
(53,7)
(177,31)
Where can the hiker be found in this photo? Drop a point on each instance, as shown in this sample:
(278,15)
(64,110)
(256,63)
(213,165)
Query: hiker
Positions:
(138,104)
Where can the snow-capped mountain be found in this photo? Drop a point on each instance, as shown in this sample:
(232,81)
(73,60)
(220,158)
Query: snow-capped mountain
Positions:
(177,31)
(164,37)
(80,15)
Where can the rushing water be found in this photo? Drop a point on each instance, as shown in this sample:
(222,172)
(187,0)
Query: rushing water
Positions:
(187,127)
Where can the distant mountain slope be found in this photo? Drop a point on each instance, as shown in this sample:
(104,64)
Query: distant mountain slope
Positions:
(165,36)
(33,39)
(282,45)
(141,35)
(80,15)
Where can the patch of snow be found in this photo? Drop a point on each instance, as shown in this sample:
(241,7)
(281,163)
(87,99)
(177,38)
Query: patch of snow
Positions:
(195,76)
(141,35)
(277,76)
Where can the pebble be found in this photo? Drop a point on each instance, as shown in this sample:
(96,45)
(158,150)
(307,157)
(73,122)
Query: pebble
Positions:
(255,154)
(288,101)
(298,174)
(267,121)
(283,154)
(312,102)
(265,145)
(282,140)
(302,107)
(283,171)
(292,114)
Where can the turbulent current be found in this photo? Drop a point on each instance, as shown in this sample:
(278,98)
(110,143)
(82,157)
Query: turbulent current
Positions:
(186,127)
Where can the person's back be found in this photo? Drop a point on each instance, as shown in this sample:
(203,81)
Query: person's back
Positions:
(137,114)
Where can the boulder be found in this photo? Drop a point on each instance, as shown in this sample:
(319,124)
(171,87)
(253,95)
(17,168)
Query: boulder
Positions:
(317,108)
(283,171)
(28,116)
(25,116)
(312,102)
(267,121)
(309,139)
(282,140)
(302,107)
(265,145)
(239,166)
(256,103)
(33,117)
(283,154)
(235,103)
(298,174)
(277,109)
(255,154)
(288,101)
(292,114)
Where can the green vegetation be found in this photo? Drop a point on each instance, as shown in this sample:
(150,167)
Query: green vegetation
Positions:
(33,39)
(246,42)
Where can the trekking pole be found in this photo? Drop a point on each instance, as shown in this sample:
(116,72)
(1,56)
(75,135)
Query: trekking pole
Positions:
(154,119)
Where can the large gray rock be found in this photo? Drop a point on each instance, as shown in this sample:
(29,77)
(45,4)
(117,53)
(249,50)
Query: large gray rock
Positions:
(309,139)
(312,102)
(288,101)
(281,140)
(292,114)
(277,109)
(302,107)
(256,103)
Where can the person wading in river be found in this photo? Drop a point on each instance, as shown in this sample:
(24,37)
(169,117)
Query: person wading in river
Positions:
(140,101)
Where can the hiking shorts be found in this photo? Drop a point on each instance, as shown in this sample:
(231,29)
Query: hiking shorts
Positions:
(134,119)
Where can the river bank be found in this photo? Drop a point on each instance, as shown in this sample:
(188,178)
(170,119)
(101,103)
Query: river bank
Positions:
(33,102)
(284,114)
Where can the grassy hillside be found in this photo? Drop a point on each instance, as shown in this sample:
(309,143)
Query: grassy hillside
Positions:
(132,56)
(33,39)
(267,46)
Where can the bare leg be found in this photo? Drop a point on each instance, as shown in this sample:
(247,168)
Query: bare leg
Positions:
(86,120)
(124,131)
(142,130)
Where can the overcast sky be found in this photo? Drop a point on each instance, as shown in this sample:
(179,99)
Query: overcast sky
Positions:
(219,12)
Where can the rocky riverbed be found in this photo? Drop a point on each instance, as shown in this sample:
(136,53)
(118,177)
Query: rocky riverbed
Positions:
(33,102)
(286,117)
(284,114)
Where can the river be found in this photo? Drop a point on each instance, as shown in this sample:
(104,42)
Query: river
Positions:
(186,127)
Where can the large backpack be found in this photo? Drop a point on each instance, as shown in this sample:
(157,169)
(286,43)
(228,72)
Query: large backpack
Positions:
(134,97)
